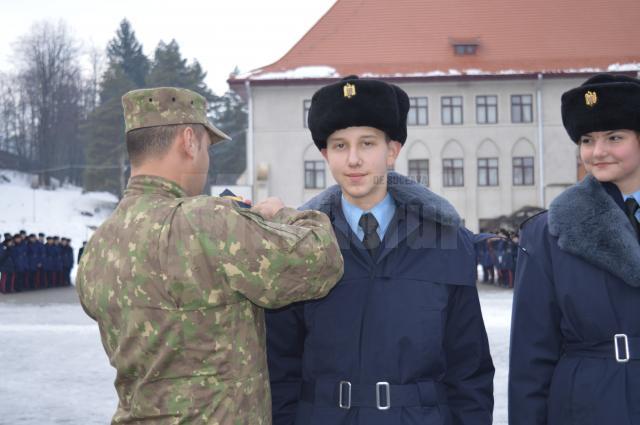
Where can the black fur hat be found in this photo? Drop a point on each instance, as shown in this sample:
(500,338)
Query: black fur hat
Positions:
(603,102)
(355,102)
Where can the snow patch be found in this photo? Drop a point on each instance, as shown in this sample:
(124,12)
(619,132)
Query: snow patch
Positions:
(624,67)
(302,72)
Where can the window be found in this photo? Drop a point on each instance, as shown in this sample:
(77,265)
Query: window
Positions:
(419,171)
(523,171)
(418,111)
(306,105)
(314,175)
(521,108)
(465,49)
(453,172)
(486,109)
(451,110)
(487,171)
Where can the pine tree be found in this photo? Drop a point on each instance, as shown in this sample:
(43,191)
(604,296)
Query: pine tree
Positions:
(169,69)
(228,162)
(125,50)
(106,150)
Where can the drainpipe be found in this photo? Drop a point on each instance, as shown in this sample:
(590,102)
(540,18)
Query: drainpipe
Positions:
(250,164)
(540,141)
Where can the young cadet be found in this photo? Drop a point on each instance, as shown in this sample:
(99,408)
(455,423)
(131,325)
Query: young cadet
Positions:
(575,333)
(400,340)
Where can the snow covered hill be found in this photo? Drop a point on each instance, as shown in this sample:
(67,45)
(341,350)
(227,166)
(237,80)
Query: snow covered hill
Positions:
(65,211)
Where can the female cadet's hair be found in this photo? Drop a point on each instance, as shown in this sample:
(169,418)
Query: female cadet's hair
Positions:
(154,142)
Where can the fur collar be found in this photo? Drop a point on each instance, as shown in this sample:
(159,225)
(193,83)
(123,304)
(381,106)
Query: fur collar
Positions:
(405,192)
(589,224)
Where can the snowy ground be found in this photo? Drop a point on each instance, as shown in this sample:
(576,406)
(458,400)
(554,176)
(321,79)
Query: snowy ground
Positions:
(54,369)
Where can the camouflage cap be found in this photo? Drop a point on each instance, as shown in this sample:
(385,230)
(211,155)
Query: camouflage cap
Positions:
(167,106)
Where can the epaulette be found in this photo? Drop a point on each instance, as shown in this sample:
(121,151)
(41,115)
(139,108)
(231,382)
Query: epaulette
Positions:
(533,216)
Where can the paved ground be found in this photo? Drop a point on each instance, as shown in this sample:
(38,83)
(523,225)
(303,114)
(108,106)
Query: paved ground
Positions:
(54,369)
(64,295)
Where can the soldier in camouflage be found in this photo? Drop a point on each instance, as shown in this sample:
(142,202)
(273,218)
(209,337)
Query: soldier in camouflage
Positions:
(178,282)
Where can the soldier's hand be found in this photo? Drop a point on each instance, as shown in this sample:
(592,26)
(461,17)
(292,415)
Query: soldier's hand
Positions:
(269,207)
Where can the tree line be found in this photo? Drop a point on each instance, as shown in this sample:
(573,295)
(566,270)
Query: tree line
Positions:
(60,118)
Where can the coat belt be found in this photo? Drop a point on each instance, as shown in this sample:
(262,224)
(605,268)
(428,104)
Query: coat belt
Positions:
(621,347)
(381,395)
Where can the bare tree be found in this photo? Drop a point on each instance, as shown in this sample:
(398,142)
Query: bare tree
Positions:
(50,86)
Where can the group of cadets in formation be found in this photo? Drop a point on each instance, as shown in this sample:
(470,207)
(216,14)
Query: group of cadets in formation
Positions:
(498,256)
(30,262)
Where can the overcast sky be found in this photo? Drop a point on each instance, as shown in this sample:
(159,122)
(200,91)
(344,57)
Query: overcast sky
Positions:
(221,34)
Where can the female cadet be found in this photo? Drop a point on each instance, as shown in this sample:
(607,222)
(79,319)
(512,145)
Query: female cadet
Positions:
(575,334)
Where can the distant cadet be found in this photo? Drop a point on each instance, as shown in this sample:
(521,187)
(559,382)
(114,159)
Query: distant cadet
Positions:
(56,262)
(49,256)
(37,256)
(7,268)
(67,260)
(20,262)
(81,250)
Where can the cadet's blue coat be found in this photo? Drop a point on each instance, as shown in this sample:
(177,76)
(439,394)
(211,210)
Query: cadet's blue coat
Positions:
(67,256)
(578,282)
(508,251)
(53,258)
(19,256)
(482,254)
(6,261)
(36,255)
(411,318)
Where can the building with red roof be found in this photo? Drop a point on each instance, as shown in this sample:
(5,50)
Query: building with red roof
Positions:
(485,79)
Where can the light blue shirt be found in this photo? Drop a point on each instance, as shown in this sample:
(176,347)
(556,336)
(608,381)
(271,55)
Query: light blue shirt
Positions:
(636,195)
(383,212)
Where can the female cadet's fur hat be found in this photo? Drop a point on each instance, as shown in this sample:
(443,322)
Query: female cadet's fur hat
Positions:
(603,102)
(355,102)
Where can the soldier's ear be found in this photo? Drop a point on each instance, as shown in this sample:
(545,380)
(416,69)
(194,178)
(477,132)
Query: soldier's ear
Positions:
(188,142)
(323,151)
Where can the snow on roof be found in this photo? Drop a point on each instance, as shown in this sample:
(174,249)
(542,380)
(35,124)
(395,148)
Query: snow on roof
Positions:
(318,72)
(302,72)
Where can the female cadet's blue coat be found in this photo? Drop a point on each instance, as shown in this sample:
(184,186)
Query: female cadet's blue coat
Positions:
(577,285)
(411,319)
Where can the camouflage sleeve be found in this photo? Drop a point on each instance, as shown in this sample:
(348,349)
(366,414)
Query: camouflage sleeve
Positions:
(293,257)
(81,290)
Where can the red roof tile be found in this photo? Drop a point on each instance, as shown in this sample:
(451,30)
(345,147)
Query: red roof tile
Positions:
(414,37)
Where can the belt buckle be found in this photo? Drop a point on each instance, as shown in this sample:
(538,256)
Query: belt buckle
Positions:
(347,385)
(616,339)
(383,385)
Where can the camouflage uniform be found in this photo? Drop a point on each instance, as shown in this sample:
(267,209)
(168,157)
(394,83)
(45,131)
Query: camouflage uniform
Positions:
(177,285)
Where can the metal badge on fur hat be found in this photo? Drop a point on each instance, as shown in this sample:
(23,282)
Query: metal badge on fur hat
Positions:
(167,106)
(355,102)
(603,102)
